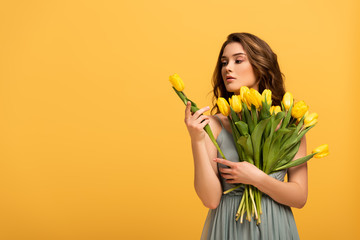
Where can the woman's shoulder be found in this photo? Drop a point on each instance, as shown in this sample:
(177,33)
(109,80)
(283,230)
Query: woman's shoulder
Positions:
(224,121)
(215,124)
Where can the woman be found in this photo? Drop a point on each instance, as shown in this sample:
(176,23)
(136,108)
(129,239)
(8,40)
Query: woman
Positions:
(244,60)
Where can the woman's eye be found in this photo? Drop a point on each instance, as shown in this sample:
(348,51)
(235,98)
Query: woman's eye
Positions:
(238,61)
(223,63)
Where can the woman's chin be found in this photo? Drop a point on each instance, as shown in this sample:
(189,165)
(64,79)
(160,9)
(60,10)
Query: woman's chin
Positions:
(233,89)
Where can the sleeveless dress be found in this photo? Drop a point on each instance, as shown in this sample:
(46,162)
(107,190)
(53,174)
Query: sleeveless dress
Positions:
(277,220)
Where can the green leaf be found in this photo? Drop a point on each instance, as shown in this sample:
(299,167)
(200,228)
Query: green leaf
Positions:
(265,111)
(254,114)
(234,115)
(242,127)
(236,135)
(245,142)
(295,162)
(287,155)
(274,149)
(268,126)
(265,152)
(249,120)
(256,140)
(287,118)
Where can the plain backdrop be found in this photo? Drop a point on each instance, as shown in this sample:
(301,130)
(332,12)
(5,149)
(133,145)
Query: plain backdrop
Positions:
(93,143)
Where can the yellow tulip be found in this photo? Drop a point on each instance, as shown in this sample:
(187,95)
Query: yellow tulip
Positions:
(223,106)
(244,90)
(235,103)
(287,100)
(299,109)
(275,109)
(272,109)
(177,82)
(257,98)
(266,96)
(310,119)
(322,151)
(305,115)
(252,97)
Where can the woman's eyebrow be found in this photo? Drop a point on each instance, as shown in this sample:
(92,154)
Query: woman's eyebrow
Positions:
(236,54)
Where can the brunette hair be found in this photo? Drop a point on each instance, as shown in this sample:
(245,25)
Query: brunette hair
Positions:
(264,63)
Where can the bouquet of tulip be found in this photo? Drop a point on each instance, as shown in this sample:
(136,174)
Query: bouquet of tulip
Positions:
(254,123)
(178,86)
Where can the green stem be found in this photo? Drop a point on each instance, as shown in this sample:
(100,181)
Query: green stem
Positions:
(207,128)
(232,189)
(241,206)
(253,201)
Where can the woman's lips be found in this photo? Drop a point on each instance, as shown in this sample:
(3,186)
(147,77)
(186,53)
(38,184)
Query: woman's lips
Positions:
(230,79)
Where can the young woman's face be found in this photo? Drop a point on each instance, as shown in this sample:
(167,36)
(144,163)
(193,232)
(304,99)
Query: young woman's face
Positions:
(236,69)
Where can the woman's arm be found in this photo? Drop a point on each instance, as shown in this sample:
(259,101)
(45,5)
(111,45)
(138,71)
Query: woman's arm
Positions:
(292,193)
(206,179)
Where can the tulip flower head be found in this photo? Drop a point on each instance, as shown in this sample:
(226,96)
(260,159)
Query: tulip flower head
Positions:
(310,119)
(223,106)
(275,109)
(177,82)
(287,100)
(235,103)
(244,90)
(299,109)
(266,96)
(255,98)
(252,97)
(305,115)
(322,151)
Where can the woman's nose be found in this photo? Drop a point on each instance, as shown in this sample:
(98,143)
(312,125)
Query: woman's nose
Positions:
(228,67)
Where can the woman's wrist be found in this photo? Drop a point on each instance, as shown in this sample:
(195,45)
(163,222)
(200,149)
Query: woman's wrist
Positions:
(258,178)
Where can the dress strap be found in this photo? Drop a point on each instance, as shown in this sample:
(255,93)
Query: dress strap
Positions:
(219,121)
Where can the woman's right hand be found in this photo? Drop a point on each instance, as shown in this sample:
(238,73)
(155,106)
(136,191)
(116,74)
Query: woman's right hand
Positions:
(196,122)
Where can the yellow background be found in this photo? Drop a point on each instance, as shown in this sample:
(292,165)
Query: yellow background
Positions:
(93,141)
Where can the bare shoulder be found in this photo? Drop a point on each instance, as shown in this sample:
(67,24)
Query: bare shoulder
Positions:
(299,173)
(215,125)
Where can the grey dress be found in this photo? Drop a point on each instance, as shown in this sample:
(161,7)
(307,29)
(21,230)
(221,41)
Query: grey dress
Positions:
(277,220)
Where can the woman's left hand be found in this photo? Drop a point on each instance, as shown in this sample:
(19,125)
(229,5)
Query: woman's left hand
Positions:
(239,172)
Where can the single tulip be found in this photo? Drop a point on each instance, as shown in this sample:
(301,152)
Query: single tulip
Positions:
(235,103)
(253,97)
(322,151)
(223,106)
(266,96)
(177,82)
(299,109)
(310,119)
(275,109)
(257,98)
(305,115)
(244,90)
(287,100)
(272,109)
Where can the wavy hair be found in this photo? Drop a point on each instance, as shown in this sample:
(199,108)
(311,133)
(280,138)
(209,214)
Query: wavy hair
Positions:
(264,63)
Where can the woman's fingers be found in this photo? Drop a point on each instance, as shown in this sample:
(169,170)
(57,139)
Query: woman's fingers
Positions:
(201,118)
(200,111)
(224,161)
(227,176)
(226,173)
(204,123)
(187,111)
(195,116)
(225,170)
